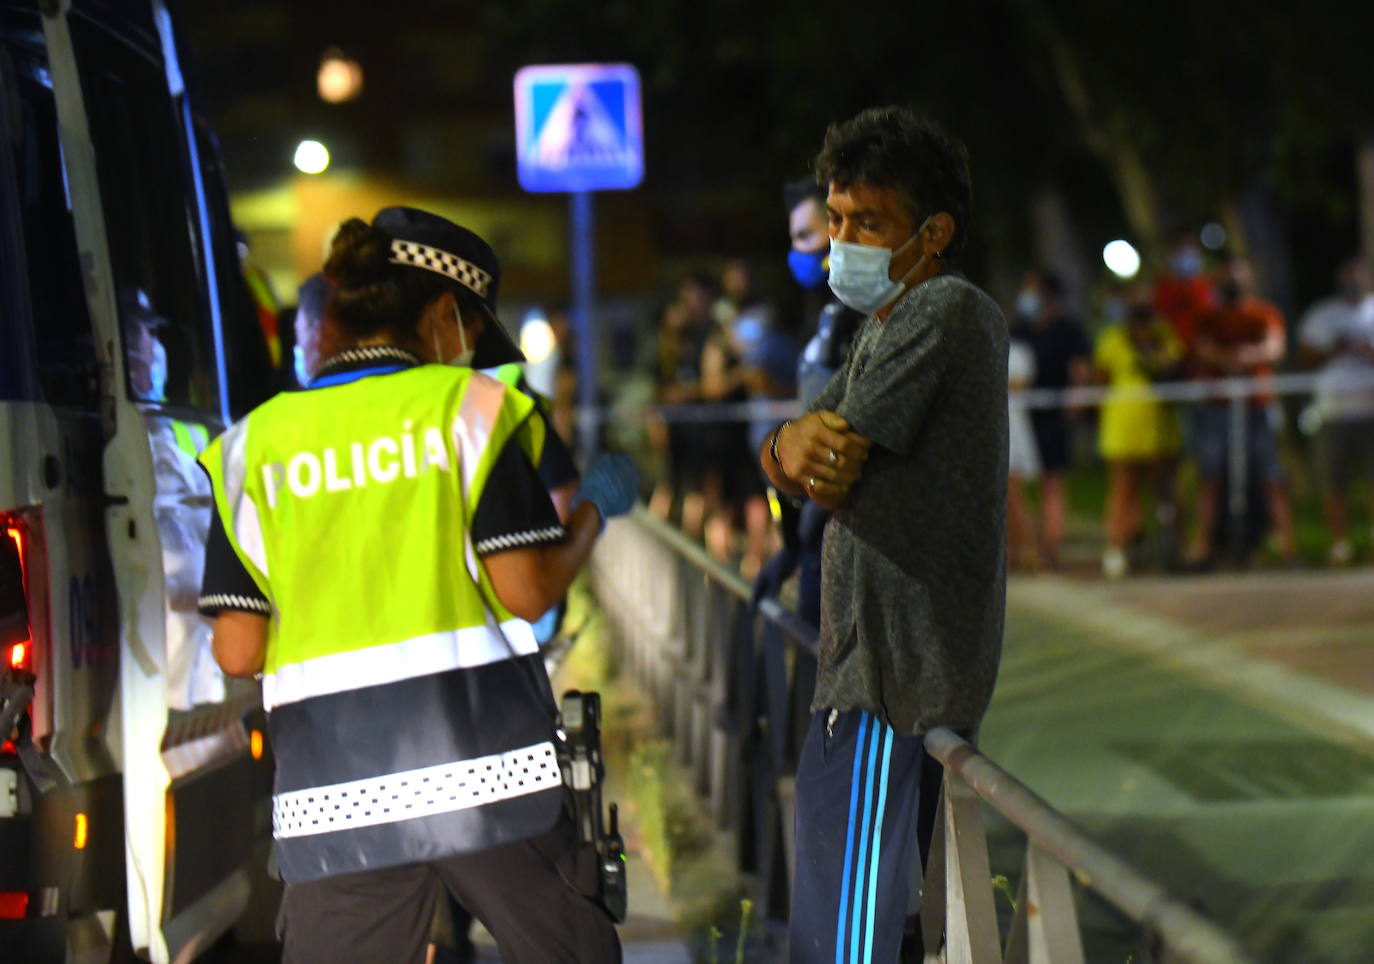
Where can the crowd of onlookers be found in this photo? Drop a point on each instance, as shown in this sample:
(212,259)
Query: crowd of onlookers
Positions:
(1168,498)
(1190,324)
(720,342)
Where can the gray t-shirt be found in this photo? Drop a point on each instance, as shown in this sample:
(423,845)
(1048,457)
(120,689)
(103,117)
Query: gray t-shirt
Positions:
(913,577)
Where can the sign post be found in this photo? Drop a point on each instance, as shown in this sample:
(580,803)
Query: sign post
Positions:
(579,129)
(582,241)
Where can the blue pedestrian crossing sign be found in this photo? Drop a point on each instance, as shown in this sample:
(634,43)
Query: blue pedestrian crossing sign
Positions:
(578,127)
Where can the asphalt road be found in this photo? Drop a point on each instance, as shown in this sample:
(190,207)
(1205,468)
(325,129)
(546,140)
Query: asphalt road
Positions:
(1216,731)
(1236,777)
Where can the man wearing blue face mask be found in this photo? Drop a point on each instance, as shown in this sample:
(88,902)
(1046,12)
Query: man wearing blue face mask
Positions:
(836,324)
(907,446)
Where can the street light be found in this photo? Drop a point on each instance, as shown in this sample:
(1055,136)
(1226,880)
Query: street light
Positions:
(537,340)
(312,157)
(1121,259)
(339,79)
(540,346)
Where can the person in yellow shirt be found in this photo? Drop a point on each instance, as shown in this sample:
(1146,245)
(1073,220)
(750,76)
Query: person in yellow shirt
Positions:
(1137,434)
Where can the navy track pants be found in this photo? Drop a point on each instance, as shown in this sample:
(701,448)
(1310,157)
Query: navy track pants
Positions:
(858,794)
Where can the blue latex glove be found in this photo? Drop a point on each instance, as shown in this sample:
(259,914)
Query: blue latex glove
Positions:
(611,483)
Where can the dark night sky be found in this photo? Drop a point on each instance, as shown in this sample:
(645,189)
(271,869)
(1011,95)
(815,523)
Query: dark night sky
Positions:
(1221,102)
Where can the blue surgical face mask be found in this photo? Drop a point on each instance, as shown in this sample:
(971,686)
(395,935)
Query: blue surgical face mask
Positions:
(1115,309)
(748,329)
(809,267)
(1029,303)
(157,374)
(302,376)
(860,274)
(1187,263)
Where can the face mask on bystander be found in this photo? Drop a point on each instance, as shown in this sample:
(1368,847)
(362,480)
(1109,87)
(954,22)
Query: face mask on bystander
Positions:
(860,274)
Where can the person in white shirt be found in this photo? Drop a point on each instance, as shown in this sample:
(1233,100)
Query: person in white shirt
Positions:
(1337,338)
(1023,462)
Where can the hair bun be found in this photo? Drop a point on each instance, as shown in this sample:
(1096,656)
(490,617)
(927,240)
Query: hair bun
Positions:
(359,256)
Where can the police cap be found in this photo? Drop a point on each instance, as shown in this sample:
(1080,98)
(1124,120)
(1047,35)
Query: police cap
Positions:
(429,242)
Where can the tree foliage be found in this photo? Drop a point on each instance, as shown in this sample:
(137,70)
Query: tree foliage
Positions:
(1149,116)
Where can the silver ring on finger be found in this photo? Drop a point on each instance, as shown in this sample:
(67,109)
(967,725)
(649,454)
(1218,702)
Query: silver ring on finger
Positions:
(834,457)
(811,483)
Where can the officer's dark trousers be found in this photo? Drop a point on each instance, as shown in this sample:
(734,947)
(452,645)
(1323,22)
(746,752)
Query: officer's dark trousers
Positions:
(522,892)
(859,789)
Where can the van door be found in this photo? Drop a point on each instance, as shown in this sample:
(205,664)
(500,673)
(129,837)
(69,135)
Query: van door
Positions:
(127,175)
(52,506)
(195,797)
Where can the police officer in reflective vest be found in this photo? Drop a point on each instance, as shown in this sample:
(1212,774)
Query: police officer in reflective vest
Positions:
(381,542)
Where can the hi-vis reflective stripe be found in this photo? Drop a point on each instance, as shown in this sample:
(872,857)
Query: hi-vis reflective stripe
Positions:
(480,409)
(243,510)
(422,792)
(391,663)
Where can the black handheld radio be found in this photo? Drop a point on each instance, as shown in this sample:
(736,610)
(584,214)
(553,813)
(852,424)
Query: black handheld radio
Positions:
(579,757)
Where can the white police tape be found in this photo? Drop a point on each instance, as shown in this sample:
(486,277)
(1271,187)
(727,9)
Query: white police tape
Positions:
(1215,389)
(1325,384)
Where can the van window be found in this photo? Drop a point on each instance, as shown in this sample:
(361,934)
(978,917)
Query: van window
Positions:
(151,222)
(58,328)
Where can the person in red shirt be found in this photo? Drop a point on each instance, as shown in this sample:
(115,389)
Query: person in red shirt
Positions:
(1184,292)
(1243,337)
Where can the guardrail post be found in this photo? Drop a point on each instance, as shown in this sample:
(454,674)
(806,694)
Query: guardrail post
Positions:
(678,679)
(1238,462)
(971,935)
(727,729)
(1045,928)
(933,901)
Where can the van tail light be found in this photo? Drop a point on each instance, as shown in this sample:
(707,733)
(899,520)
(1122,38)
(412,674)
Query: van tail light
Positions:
(19,602)
(14,904)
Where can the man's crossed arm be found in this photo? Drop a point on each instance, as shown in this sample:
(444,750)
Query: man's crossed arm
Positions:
(818,456)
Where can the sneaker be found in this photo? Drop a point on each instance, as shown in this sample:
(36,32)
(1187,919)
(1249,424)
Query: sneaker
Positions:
(1114,564)
(1340,553)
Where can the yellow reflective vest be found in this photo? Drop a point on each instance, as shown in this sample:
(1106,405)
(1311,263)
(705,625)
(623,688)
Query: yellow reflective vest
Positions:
(410,714)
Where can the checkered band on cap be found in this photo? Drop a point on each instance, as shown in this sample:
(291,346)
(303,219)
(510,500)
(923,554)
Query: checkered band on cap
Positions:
(441,262)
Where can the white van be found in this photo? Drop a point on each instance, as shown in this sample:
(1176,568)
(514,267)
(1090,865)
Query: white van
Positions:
(135,789)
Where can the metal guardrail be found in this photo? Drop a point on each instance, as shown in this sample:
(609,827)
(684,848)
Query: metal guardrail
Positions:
(1045,927)
(731,686)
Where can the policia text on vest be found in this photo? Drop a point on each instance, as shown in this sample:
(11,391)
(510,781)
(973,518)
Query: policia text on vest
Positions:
(406,455)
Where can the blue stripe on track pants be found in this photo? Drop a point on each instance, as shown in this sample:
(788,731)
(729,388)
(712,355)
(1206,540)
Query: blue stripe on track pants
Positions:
(858,789)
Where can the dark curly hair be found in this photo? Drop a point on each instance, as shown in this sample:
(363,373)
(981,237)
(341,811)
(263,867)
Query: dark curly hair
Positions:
(896,147)
(806,189)
(370,295)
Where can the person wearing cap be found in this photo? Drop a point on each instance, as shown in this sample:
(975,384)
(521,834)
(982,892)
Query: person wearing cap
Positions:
(381,543)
